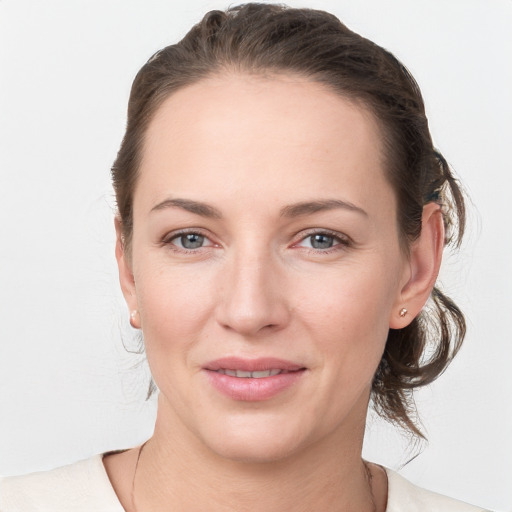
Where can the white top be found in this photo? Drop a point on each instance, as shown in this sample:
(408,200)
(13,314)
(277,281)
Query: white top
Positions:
(85,487)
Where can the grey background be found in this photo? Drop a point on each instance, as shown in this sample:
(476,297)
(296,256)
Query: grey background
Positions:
(68,388)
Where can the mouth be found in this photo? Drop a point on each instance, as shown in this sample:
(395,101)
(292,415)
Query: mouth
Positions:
(253,379)
(252,368)
(242,374)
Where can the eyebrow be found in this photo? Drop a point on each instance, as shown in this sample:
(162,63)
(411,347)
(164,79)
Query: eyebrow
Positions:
(202,209)
(309,207)
(290,211)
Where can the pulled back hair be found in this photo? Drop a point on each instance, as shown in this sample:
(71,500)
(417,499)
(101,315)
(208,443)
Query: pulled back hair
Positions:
(272,39)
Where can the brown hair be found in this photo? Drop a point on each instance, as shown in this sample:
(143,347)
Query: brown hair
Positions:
(263,38)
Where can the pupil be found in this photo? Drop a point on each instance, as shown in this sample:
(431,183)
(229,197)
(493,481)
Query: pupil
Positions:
(321,241)
(192,241)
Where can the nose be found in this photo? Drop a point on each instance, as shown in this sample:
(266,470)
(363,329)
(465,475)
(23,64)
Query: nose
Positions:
(253,294)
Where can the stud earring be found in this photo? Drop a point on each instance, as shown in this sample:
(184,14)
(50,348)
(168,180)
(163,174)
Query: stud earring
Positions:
(134,315)
(403,312)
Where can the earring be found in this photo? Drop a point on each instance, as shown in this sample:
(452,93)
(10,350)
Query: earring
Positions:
(133,315)
(403,312)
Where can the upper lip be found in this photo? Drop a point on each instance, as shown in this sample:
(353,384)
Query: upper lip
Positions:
(252,365)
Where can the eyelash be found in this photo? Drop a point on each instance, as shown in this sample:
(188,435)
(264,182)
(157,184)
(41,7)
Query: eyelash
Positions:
(170,237)
(342,242)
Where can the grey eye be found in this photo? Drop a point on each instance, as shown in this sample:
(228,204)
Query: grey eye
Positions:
(320,241)
(191,241)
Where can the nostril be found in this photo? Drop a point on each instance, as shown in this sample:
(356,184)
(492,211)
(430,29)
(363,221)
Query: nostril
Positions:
(251,325)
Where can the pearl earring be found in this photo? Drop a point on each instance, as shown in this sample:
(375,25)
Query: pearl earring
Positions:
(403,312)
(133,315)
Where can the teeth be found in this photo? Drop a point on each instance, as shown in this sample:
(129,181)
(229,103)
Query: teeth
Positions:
(253,375)
(259,375)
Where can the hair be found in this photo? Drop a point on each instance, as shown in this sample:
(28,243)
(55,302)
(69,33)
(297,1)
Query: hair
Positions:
(266,39)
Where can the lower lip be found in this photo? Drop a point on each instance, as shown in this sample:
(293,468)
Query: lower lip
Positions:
(250,389)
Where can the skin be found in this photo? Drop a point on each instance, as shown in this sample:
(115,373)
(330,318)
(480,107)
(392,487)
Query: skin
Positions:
(251,147)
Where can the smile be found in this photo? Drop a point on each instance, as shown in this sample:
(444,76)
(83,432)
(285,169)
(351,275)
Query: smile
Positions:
(253,380)
(252,375)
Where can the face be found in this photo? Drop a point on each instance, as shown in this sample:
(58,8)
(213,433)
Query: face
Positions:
(265,264)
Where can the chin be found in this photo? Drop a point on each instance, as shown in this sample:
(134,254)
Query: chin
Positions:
(255,451)
(256,443)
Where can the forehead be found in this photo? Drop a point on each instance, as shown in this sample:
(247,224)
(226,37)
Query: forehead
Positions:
(253,133)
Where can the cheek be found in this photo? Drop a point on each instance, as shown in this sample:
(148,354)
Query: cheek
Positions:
(347,313)
(174,307)
(173,304)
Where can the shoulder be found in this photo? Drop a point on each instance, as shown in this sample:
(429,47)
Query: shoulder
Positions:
(82,486)
(403,496)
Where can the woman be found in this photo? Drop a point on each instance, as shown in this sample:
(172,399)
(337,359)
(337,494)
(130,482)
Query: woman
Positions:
(281,219)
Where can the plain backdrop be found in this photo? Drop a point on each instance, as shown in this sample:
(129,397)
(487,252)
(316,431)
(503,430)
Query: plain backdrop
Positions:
(68,386)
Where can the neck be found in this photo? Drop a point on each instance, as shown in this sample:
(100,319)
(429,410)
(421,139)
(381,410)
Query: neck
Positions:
(174,467)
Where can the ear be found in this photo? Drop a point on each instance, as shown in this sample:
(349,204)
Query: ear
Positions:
(126,275)
(423,268)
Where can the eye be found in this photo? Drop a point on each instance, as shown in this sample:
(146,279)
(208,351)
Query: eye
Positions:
(189,241)
(323,241)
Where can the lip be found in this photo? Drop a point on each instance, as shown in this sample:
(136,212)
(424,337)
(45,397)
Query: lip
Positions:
(248,388)
(252,365)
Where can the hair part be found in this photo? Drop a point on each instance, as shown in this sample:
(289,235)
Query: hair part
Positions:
(271,39)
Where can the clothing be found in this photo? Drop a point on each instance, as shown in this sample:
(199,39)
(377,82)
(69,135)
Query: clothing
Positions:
(85,487)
